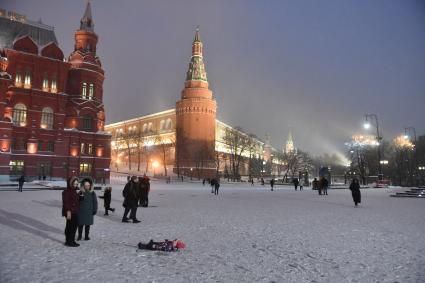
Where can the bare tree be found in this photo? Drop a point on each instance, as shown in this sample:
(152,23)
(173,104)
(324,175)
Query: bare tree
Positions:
(165,145)
(237,142)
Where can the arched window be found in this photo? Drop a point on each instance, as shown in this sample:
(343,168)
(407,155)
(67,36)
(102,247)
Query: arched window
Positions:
(168,124)
(45,83)
(46,118)
(27,80)
(162,125)
(150,127)
(87,123)
(84,91)
(19,115)
(54,88)
(18,79)
(91,91)
(145,128)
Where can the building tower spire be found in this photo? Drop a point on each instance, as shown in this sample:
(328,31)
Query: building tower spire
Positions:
(85,37)
(86,22)
(290,148)
(196,71)
(195,119)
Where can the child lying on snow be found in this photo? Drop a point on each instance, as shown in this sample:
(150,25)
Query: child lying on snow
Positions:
(166,246)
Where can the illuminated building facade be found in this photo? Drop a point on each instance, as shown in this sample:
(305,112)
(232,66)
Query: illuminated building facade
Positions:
(52,112)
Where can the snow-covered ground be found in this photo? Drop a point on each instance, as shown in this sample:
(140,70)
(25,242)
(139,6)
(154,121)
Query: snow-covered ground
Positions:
(245,234)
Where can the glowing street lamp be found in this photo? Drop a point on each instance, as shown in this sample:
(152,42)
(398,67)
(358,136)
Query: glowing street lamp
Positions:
(155,165)
(367,125)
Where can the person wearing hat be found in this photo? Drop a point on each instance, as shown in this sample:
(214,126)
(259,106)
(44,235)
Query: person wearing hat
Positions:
(131,196)
(88,208)
(70,209)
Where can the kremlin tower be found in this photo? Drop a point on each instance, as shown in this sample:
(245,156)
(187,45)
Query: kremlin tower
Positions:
(195,120)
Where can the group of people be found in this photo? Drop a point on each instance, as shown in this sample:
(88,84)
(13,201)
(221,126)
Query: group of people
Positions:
(214,183)
(320,185)
(135,193)
(79,207)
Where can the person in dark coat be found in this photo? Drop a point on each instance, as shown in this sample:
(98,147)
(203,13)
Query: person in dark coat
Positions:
(70,208)
(315,186)
(252,182)
(355,191)
(145,187)
(296,182)
(262,181)
(88,208)
(272,184)
(325,185)
(21,182)
(212,183)
(216,186)
(130,200)
(107,200)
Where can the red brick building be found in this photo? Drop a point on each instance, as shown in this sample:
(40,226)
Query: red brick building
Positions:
(51,109)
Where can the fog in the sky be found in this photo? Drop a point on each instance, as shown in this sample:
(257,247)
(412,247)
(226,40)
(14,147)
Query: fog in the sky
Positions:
(315,66)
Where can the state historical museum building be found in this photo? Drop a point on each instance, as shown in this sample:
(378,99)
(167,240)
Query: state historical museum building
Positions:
(51,109)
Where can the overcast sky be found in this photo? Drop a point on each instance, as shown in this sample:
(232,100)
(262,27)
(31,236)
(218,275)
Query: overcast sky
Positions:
(315,66)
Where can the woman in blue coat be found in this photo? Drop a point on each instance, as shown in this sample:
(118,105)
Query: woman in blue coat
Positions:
(88,208)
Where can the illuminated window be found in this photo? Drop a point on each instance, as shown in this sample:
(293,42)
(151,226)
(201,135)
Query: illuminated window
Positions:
(91,90)
(46,118)
(18,79)
(82,148)
(84,91)
(90,149)
(145,128)
(54,88)
(45,83)
(150,127)
(85,168)
(27,81)
(16,167)
(168,124)
(20,115)
(162,125)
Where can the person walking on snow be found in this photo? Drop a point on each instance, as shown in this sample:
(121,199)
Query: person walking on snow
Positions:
(216,186)
(145,187)
(88,208)
(295,181)
(212,183)
(315,186)
(70,208)
(130,200)
(21,182)
(272,184)
(355,191)
(107,200)
(325,185)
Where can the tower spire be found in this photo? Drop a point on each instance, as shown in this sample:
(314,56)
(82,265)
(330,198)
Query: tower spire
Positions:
(197,35)
(196,70)
(290,147)
(86,22)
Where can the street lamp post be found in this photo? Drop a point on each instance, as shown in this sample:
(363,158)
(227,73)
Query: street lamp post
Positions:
(374,117)
(407,131)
